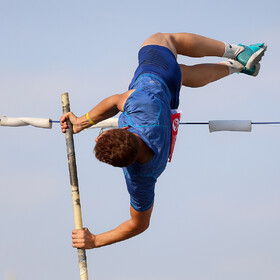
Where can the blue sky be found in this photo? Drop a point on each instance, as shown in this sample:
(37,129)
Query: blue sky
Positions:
(216,214)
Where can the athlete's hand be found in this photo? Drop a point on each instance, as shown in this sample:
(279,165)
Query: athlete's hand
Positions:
(83,239)
(73,119)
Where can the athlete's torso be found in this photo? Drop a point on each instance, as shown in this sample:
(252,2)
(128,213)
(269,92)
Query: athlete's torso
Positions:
(147,113)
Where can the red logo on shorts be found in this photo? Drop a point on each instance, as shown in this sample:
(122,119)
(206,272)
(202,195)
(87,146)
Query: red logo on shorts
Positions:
(175,121)
(175,124)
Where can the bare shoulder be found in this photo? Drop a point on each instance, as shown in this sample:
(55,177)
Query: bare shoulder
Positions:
(122,99)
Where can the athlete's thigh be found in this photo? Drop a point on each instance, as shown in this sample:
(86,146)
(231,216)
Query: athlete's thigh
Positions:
(161,39)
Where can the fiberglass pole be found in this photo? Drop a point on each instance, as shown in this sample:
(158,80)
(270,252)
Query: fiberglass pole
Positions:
(74,185)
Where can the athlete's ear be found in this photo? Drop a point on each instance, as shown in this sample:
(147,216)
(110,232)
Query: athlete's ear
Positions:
(126,127)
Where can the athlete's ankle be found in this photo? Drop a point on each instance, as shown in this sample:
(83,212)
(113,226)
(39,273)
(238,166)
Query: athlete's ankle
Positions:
(232,51)
(233,66)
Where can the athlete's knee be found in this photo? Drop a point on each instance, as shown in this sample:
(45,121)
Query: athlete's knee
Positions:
(157,36)
(162,36)
(161,39)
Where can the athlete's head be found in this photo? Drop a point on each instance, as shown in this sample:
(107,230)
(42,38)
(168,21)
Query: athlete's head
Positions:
(118,147)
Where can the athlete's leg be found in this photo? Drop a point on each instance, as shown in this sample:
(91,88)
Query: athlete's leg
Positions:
(199,46)
(202,74)
(195,46)
(187,44)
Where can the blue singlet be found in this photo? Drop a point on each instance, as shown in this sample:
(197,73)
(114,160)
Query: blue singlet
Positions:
(147,112)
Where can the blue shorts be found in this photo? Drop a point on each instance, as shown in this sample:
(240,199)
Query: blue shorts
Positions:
(161,62)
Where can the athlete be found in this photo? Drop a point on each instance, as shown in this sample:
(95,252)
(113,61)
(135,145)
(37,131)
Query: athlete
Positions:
(141,144)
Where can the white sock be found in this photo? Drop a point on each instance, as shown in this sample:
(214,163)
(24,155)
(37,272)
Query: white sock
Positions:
(233,66)
(232,51)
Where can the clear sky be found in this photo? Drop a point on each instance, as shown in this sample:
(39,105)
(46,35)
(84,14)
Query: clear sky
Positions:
(217,210)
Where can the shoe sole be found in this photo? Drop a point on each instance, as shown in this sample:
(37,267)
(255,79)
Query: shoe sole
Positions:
(247,71)
(256,57)
(258,67)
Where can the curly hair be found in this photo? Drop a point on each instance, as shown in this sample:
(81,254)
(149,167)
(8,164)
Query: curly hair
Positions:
(118,147)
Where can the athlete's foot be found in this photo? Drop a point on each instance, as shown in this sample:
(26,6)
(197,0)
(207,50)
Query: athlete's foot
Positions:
(236,67)
(251,55)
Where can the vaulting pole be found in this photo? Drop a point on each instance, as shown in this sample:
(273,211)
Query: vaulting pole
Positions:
(74,184)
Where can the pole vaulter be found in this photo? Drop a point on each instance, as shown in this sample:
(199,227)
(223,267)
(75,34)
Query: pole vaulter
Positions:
(142,143)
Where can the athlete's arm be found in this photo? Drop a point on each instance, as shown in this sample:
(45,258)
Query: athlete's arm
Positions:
(107,108)
(138,223)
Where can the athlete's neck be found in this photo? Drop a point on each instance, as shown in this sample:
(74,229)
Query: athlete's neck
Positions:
(145,153)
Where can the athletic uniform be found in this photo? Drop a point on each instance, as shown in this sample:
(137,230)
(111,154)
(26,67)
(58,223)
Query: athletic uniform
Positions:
(147,112)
